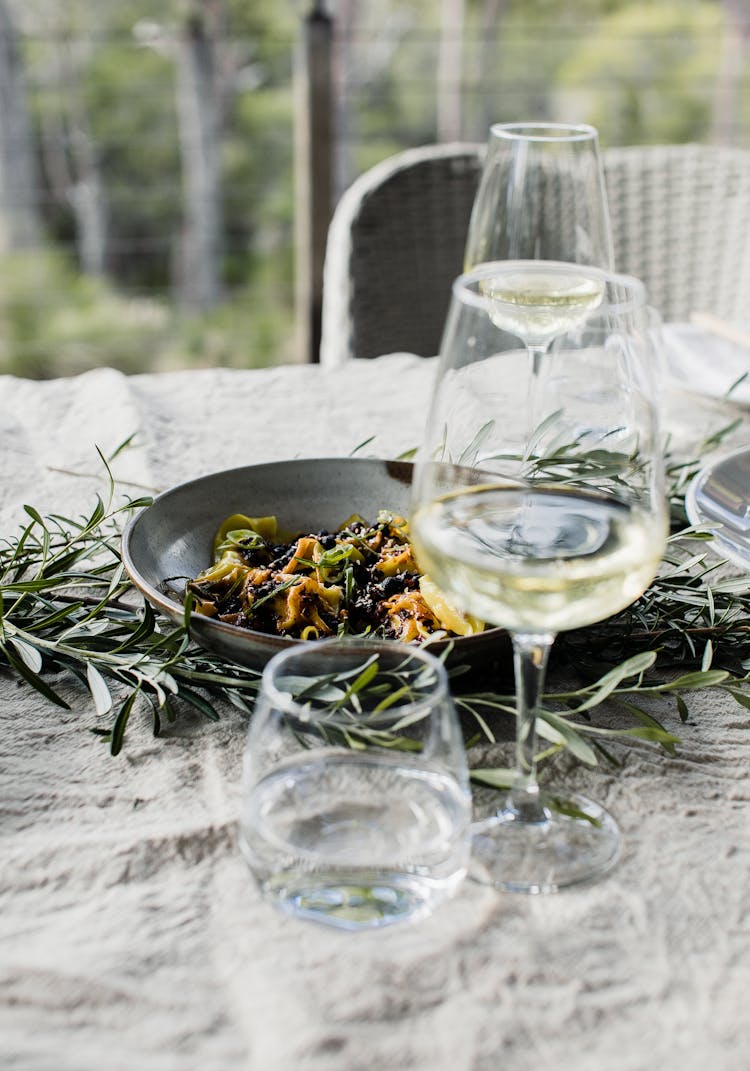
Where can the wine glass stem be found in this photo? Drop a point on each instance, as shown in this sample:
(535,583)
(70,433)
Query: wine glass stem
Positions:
(536,353)
(537,393)
(530,655)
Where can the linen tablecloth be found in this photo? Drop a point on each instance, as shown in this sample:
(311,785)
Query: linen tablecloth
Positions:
(131,934)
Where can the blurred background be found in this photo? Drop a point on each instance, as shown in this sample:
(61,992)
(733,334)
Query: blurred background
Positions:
(155,158)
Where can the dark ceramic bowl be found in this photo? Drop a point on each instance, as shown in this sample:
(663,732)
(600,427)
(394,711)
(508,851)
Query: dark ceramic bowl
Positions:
(172,539)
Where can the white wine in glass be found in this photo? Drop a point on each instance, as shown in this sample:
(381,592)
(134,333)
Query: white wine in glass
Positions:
(542,519)
(539,300)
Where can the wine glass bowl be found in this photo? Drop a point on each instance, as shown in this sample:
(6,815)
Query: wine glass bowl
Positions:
(537,300)
(541,196)
(356,805)
(538,505)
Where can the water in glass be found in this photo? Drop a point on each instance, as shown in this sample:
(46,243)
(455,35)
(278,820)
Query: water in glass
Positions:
(356,807)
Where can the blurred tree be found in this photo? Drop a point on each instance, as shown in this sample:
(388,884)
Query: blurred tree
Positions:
(157,118)
(19,223)
(646,72)
(489,27)
(450,70)
(343,54)
(199,112)
(69,152)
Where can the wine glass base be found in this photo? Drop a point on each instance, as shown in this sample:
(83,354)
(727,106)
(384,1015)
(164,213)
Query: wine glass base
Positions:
(577,841)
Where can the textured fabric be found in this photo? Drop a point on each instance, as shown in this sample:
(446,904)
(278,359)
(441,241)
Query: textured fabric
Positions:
(131,935)
(680,219)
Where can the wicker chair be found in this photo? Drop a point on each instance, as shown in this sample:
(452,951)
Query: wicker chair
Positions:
(680,221)
(395,244)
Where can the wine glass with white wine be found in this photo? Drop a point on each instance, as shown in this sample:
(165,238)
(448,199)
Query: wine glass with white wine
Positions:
(539,514)
(541,201)
(541,196)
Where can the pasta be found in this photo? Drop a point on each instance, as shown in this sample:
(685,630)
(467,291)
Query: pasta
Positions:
(361,579)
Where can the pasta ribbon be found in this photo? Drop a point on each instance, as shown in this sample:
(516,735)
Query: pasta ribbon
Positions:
(265,527)
(397,560)
(301,604)
(362,578)
(410,617)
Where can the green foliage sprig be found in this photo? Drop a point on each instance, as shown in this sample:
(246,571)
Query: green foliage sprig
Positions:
(68,611)
(67,608)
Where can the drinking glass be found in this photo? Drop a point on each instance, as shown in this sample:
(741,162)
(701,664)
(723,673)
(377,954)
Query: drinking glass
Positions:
(541,196)
(538,513)
(356,805)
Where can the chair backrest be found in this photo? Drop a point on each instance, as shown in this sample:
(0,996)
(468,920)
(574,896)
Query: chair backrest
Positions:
(680,222)
(395,245)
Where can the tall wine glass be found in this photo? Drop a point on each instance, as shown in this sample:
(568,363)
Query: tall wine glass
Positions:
(538,520)
(541,200)
(541,196)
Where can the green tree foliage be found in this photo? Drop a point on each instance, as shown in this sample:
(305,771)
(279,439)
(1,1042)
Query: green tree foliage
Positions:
(119,70)
(54,320)
(103,76)
(646,73)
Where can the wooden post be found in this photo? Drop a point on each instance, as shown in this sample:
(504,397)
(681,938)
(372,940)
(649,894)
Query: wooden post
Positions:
(450,70)
(313,173)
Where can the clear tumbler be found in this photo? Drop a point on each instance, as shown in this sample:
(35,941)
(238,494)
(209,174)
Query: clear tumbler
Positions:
(356,804)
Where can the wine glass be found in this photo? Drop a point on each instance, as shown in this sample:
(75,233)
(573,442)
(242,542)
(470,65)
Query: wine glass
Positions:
(356,804)
(541,200)
(541,196)
(542,513)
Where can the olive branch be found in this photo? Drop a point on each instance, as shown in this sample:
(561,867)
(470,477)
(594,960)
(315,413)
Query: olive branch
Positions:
(69,613)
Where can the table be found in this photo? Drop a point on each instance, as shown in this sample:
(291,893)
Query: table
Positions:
(131,934)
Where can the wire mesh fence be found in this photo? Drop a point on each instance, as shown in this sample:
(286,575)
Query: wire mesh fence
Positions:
(148,181)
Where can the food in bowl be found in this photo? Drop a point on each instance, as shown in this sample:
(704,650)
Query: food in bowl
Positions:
(362,579)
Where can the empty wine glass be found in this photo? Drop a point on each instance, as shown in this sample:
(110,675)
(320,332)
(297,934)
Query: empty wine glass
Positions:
(356,805)
(541,196)
(538,514)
